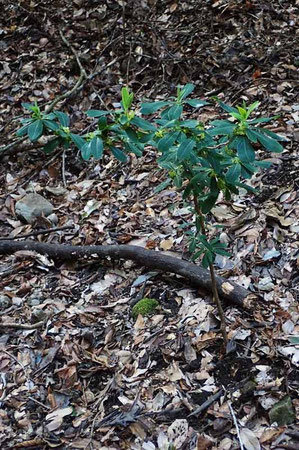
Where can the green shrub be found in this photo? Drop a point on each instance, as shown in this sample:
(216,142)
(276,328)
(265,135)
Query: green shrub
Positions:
(200,160)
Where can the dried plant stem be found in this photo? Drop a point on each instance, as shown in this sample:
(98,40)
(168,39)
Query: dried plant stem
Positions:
(212,273)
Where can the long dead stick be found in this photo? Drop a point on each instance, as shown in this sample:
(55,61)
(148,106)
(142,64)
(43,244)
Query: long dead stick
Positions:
(149,258)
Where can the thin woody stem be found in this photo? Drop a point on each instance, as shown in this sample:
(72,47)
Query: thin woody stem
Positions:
(212,273)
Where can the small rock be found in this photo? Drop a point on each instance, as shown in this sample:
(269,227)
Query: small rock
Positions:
(32,206)
(5,302)
(56,190)
(38,315)
(34,301)
(282,412)
(53,218)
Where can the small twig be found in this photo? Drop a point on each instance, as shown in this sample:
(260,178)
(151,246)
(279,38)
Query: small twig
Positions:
(207,403)
(236,424)
(12,144)
(63,169)
(16,360)
(39,403)
(22,326)
(67,43)
(124,25)
(37,232)
(83,75)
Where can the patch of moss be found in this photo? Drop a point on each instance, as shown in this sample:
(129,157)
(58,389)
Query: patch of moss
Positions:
(145,307)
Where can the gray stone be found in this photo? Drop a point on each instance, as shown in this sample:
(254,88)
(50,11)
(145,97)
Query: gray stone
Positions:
(38,315)
(5,302)
(56,190)
(33,301)
(32,206)
(282,412)
(53,218)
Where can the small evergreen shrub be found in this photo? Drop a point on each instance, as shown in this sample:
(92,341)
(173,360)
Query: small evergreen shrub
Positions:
(202,161)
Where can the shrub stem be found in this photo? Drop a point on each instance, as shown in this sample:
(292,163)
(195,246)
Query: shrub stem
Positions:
(212,273)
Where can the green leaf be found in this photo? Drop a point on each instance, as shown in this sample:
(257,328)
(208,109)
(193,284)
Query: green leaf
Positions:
(150,108)
(172,113)
(162,185)
(28,106)
(208,203)
(195,103)
(185,149)
(126,98)
(96,113)
(50,116)
(77,140)
(130,147)
(51,145)
(102,123)
(294,340)
(252,107)
(207,260)
(251,136)
(226,107)
(233,173)
(221,252)
(118,154)
(263,164)
(167,141)
(178,181)
(143,124)
(246,186)
(63,118)
(186,90)
(22,131)
(236,115)
(191,123)
(270,144)
(262,120)
(225,129)
(51,124)
(197,254)
(93,148)
(245,150)
(275,136)
(35,130)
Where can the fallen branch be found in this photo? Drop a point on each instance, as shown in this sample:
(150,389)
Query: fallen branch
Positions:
(198,276)
(22,326)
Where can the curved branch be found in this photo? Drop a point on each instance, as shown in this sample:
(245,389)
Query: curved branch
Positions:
(198,276)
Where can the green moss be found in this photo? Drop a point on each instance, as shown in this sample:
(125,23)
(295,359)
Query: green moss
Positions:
(145,307)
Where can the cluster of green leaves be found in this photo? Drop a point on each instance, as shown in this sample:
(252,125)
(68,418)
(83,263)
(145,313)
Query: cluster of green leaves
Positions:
(202,161)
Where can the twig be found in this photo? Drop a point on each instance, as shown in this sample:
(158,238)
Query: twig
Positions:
(12,144)
(39,403)
(149,258)
(16,360)
(124,25)
(22,326)
(67,43)
(207,403)
(37,232)
(63,169)
(236,424)
(83,75)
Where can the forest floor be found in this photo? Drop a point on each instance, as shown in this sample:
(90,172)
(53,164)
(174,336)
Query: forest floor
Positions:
(89,376)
